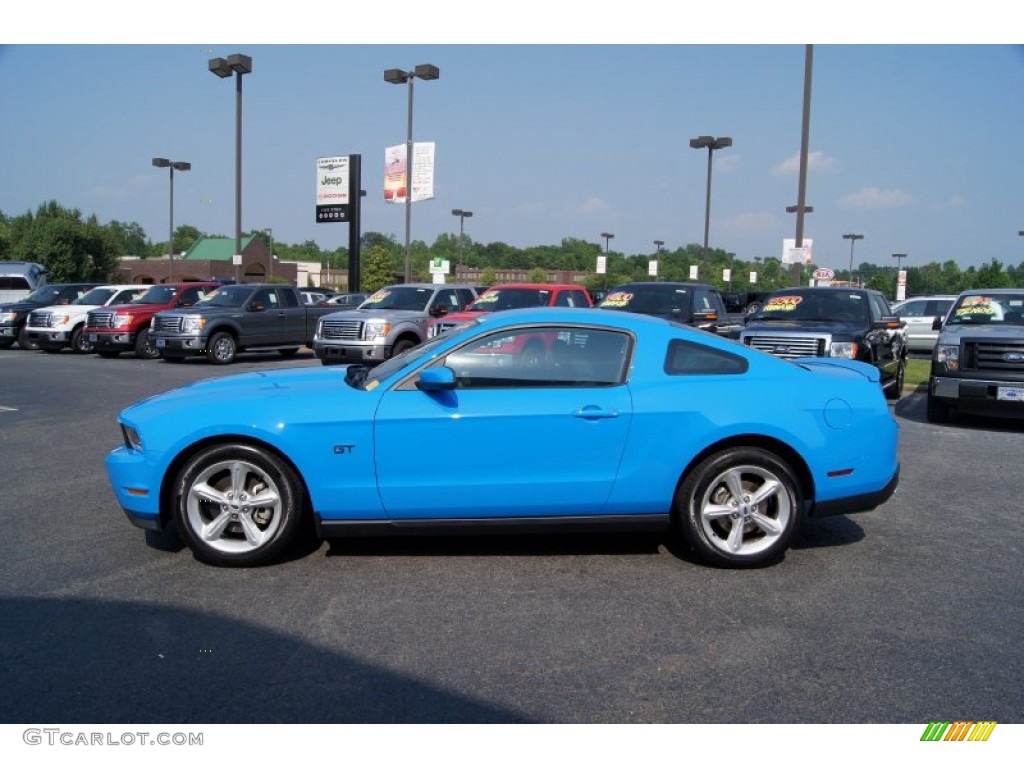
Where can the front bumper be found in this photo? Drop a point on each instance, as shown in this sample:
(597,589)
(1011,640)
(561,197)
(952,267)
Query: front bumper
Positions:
(981,395)
(180,345)
(136,485)
(111,340)
(351,353)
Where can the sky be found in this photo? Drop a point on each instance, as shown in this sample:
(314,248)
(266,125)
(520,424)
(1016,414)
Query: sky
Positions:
(543,135)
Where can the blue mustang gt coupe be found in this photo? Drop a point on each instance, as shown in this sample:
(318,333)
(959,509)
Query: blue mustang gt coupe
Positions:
(562,419)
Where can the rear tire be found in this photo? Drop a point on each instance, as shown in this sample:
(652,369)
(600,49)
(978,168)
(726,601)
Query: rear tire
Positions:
(740,508)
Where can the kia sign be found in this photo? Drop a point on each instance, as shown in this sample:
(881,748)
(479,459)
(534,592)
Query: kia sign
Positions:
(824,274)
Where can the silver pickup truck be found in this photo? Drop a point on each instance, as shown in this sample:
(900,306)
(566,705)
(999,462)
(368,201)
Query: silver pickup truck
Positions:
(389,322)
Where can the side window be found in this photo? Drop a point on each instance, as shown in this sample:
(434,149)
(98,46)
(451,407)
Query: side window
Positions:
(189,297)
(703,301)
(265,297)
(541,357)
(288,298)
(565,299)
(879,308)
(685,358)
(464,297)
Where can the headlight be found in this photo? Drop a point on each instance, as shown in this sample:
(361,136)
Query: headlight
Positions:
(193,323)
(948,355)
(59,320)
(132,440)
(319,329)
(121,320)
(376,328)
(844,349)
(8,317)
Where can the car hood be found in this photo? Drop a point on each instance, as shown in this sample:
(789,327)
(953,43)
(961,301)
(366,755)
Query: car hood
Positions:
(804,326)
(954,333)
(391,314)
(245,396)
(21,306)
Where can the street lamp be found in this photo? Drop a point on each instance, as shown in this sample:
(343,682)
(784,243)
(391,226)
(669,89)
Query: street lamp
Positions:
(269,232)
(657,246)
(458,252)
(711,143)
(607,236)
(397,77)
(853,238)
(238,64)
(163,162)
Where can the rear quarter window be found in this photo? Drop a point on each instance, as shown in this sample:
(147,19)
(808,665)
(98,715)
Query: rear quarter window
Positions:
(685,358)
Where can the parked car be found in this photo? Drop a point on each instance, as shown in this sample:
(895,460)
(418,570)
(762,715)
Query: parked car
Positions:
(14,315)
(978,360)
(54,328)
(851,323)
(119,328)
(694,304)
(389,322)
(634,423)
(513,296)
(918,315)
(249,317)
(346,300)
(19,279)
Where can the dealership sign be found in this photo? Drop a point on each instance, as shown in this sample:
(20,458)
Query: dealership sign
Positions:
(332,189)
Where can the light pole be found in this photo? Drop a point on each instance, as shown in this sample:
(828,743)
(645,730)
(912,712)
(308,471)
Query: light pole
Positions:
(463,215)
(853,238)
(269,232)
(899,260)
(397,77)
(711,143)
(607,236)
(163,162)
(657,247)
(237,64)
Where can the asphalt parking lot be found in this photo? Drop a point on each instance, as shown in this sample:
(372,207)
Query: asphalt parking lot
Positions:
(906,614)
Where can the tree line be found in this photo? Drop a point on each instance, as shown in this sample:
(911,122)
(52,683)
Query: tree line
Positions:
(74,247)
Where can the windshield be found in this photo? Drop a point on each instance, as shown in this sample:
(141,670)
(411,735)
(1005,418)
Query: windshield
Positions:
(228,296)
(97,296)
(399,297)
(649,299)
(497,299)
(810,305)
(1003,309)
(158,294)
(45,295)
(410,357)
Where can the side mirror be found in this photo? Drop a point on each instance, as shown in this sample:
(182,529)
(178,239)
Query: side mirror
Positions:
(937,324)
(438,311)
(436,379)
(255,306)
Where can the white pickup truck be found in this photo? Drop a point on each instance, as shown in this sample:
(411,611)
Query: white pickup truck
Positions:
(54,328)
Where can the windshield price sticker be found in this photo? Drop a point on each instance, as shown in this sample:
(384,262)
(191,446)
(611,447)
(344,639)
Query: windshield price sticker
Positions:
(975,305)
(619,299)
(378,297)
(782,304)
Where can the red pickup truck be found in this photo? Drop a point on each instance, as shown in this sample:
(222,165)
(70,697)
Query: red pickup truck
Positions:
(122,327)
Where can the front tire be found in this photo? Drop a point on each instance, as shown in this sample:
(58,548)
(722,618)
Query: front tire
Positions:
(223,349)
(144,346)
(896,385)
(740,508)
(401,346)
(25,342)
(80,342)
(237,505)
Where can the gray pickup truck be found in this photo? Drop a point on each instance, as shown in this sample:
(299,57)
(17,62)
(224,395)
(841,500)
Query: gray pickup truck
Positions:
(234,319)
(389,322)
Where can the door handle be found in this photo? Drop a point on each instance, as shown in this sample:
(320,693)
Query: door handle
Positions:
(595,413)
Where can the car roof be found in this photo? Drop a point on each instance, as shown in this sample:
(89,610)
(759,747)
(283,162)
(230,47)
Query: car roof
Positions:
(992,292)
(539,286)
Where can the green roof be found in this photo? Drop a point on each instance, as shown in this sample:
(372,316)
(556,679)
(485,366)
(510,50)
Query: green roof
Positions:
(215,248)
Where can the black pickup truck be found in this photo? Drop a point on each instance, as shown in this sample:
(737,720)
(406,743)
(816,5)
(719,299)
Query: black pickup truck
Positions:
(693,304)
(852,323)
(249,317)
